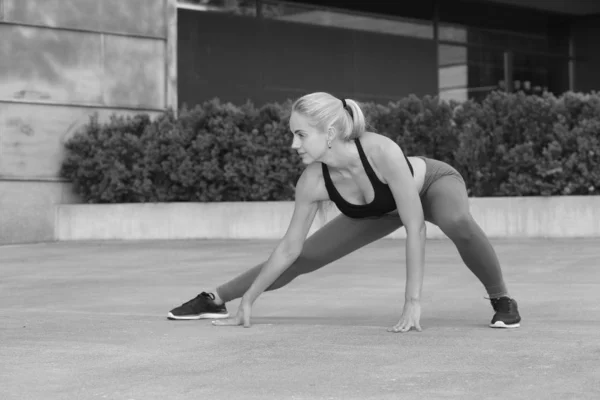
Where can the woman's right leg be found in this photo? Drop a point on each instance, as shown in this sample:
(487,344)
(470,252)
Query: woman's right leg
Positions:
(339,237)
(336,239)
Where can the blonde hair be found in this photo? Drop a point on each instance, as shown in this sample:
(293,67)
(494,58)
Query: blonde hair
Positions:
(327,110)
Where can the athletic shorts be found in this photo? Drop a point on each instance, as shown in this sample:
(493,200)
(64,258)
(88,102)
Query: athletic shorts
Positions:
(436,170)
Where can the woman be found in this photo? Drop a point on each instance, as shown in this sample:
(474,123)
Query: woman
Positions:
(377,189)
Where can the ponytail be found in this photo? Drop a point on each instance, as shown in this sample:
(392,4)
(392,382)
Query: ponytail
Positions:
(357,119)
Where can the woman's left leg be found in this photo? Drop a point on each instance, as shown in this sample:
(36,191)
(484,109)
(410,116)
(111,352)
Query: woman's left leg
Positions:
(446,204)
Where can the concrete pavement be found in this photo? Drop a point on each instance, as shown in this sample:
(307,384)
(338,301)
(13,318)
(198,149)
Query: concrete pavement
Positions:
(87,320)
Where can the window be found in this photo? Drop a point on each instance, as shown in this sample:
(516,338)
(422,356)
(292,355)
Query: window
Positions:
(469,70)
(452,33)
(459,34)
(450,55)
(472,63)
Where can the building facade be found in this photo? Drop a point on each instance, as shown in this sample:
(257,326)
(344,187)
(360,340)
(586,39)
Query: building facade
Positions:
(265,50)
(64,61)
(60,63)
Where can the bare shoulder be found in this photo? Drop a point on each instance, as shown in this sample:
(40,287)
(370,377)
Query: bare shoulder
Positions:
(385,156)
(311,186)
(377,145)
(388,160)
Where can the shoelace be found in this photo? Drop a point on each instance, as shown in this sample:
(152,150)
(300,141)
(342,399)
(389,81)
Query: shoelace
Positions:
(503,304)
(202,296)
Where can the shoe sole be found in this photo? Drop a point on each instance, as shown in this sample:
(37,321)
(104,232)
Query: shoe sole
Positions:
(502,325)
(195,317)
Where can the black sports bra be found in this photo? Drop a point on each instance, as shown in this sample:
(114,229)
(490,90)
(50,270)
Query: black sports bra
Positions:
(383,201)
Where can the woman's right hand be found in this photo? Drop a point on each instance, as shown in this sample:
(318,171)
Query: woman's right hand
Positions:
(242,316)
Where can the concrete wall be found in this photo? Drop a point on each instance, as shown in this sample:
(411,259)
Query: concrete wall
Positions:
(28,211)
(61,62)
(512,217)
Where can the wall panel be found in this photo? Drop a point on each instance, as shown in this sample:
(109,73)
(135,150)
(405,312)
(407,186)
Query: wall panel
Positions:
(134,72)
(141,17)
(40,64)
(54,13)
(134,17)
(32,137)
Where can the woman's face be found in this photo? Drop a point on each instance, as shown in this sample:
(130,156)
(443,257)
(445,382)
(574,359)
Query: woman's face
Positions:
(308,141)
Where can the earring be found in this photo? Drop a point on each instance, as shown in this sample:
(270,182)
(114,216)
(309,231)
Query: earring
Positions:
(329,143)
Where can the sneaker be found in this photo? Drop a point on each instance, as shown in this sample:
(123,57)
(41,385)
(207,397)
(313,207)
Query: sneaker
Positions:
(200,307)
(507,313)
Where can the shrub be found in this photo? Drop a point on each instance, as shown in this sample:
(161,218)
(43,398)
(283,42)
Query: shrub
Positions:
(506,145)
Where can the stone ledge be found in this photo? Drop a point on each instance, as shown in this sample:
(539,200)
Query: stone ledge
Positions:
(499,217)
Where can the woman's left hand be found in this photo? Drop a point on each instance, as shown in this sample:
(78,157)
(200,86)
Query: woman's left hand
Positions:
(241,318)
(411,314)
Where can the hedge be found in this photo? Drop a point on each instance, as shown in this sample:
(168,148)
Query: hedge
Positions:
(506,145)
